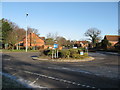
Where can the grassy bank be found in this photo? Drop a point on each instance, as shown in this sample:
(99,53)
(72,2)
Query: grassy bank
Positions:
(10,83)
(3,50)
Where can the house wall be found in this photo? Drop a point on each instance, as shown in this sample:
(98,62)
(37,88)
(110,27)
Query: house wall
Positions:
(113,42)
(33,40)
(47,46)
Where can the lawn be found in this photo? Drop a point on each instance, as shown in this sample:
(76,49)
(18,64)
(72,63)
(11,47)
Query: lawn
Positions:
(3,50)
(10,83)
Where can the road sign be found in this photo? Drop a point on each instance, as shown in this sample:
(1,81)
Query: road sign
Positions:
(55,45)
(81,53)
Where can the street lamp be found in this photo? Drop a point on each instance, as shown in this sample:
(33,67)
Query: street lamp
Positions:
(26,33)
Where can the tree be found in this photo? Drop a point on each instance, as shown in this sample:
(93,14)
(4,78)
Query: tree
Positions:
(49,41)
(6,27)
(0,33)
(105,43)
(32,30)
(61,41)
(20,34)
(12,38)
(117,45)
(93,33)
(52,35)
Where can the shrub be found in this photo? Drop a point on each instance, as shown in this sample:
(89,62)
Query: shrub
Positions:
(76,56)
(68,53)
(64,53)
(46,52)
(41,53)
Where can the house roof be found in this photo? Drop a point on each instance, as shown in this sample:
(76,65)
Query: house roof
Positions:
(112,37)
(43,38)
(84,42)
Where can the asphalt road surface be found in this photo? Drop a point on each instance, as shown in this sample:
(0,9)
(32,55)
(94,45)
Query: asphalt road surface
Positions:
(99,73)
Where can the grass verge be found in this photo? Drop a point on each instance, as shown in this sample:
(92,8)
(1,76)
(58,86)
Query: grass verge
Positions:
(3,50)
(10,83)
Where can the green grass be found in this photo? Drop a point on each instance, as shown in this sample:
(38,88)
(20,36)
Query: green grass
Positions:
(10,83)
(3,50)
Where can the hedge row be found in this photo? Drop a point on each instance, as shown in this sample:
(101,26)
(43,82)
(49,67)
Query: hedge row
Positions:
(67,53)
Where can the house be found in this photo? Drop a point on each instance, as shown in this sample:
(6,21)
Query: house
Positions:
(33,40)
(113,39)
(51,47)
(81,44)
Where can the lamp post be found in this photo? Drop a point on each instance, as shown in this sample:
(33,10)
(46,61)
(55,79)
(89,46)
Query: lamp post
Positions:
(26,33)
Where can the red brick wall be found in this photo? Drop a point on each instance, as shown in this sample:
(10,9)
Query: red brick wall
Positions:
(33,40)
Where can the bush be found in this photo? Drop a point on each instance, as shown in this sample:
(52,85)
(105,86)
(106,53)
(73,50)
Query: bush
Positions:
(46,52)
(69,53)
(64,53)
(76,56)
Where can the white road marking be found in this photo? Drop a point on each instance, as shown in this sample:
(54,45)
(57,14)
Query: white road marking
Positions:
(70,69)
(7,59)
(101,58)
(58,79)
(93,87)
(87,86)
(35,81)
(10,68)
(78,84)
(22,81)
(109,71)
(14,74)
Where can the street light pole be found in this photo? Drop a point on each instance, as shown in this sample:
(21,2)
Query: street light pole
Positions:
(26,33)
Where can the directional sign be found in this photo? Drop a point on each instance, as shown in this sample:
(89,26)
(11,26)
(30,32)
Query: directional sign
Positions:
(55,45)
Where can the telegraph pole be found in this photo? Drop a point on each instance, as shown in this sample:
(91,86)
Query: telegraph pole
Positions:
(26,33)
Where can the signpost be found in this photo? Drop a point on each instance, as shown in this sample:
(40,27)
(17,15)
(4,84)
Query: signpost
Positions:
(87,49)
(55,46)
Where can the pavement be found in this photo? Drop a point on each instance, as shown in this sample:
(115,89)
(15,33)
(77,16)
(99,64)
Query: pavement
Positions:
(99,73)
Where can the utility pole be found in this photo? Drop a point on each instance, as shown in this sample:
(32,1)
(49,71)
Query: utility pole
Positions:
(26,33)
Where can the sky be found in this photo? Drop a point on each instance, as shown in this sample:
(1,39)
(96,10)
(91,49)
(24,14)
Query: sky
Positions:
(69,19)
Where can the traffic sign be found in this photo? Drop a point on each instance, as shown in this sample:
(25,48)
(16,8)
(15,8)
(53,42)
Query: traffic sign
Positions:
(55,45)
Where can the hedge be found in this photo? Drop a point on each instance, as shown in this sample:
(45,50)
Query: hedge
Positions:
(66,53)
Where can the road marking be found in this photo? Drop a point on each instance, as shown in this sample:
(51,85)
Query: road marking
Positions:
(58,79)
(87,86)
(70,69)
(35,80)
(93,87)
(101,58)
(22,81)
(10,68)
(14,74)
(7,59)
(79,84)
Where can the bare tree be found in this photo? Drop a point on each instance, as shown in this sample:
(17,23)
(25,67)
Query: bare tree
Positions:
(52,35)
(93,33)
(12,38)
(32,30)
(61,40)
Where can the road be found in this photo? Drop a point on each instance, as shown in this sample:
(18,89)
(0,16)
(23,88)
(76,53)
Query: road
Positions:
(99,73)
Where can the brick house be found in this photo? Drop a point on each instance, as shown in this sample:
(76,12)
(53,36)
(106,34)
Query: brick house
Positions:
(51,47)
(33,40)
(81,44)
(113,39)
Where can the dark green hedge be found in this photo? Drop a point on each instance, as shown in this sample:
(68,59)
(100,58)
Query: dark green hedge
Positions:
(66,53)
